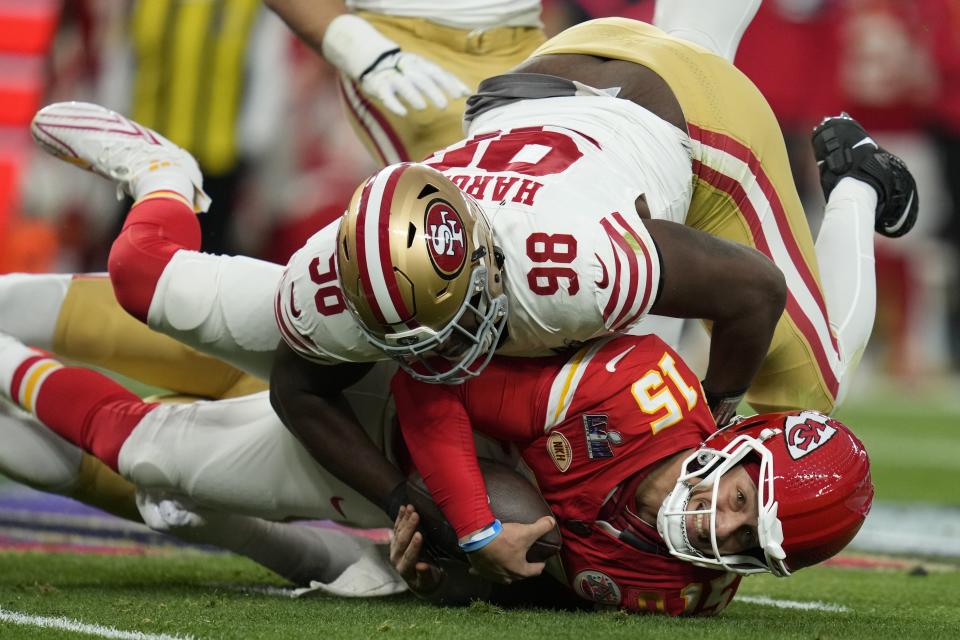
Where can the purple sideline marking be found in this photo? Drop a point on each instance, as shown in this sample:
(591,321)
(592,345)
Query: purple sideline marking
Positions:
(29,516)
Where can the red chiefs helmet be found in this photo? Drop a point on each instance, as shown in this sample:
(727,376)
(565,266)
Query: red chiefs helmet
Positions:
(813,491)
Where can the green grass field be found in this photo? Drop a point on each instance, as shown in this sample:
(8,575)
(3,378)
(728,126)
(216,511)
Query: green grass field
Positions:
(193,594)
(200,596)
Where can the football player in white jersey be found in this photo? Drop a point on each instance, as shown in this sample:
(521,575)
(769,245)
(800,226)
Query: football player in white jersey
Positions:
(550,224)
(736,287)
(406,66)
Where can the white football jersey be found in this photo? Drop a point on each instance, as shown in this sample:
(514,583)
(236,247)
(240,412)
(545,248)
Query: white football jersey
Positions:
(560,198)
(311,312)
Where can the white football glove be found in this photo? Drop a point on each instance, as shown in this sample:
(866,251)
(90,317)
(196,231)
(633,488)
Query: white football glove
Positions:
(384,71)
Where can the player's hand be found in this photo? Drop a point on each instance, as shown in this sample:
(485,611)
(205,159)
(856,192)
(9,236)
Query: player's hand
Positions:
(505,559)
(408,77)
(385,72)
(405,546)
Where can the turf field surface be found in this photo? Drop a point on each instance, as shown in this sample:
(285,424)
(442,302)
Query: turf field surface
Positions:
(198,595)
(149,588)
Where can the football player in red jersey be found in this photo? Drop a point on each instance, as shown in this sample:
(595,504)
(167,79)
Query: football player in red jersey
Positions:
(569,297)
(659,511)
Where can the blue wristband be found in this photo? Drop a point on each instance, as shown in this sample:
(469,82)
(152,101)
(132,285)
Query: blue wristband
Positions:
(482,538)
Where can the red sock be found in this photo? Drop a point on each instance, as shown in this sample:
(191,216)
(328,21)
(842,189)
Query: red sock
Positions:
(155,229)
(83,406)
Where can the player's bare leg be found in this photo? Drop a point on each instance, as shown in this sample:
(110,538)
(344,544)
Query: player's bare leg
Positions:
(218,304)
(717,26)
(867,189)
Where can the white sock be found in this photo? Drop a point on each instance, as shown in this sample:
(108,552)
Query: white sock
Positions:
(34,455)
(847,271)
(12,355)
(30,305)
(170,178)
(713,24)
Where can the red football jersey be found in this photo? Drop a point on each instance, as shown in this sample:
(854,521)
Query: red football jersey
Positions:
(588,426)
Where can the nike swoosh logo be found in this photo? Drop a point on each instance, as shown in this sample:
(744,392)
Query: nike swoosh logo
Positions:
(605,279)
(903,216)
(293,305)
(612,364)
(335,501)
(867,140)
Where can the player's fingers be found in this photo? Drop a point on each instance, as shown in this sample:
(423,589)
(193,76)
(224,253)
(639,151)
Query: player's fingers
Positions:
(407,91)
(539,528)
(531,569)
(403,532)
(408,561)
(426,85)
(451,84)
(384,88)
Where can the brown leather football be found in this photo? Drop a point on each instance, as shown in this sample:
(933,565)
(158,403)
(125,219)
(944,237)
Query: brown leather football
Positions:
(512,499)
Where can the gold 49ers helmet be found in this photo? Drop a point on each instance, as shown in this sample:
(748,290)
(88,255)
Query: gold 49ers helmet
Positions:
(418,270)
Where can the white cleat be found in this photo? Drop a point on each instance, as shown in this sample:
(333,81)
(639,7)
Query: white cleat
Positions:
(104,142)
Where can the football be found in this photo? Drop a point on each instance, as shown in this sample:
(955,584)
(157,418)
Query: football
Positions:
(512,499)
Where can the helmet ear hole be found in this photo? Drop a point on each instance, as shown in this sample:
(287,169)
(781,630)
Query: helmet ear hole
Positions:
(411,234)
(427,190)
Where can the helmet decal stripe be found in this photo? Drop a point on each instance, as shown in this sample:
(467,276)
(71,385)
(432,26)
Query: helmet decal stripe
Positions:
(386,261)
(363,261)
(373,247)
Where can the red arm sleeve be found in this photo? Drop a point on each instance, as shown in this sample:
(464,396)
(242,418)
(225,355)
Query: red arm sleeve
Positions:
(437,430)
(438,421)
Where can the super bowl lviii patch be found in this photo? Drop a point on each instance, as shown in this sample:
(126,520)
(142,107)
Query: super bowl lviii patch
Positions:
(599,440)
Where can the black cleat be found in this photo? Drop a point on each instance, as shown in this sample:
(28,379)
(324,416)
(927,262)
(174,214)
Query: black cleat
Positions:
(844,150)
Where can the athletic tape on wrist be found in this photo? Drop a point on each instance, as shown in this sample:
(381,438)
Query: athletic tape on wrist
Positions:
(482,538)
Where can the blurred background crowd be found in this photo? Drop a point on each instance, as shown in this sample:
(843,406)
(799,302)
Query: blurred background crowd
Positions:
(261,112)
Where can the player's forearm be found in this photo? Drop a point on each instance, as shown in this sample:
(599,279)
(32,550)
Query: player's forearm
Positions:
(439,437)
(309,401)
(309,19)
(740,340)
(331,434)
(737,348)
(738,289)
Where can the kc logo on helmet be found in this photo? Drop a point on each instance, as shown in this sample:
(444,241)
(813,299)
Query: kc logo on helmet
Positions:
(445,240)
(806,433)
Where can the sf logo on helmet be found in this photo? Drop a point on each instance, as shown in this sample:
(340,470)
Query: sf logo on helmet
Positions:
(807,432)
(445,241)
